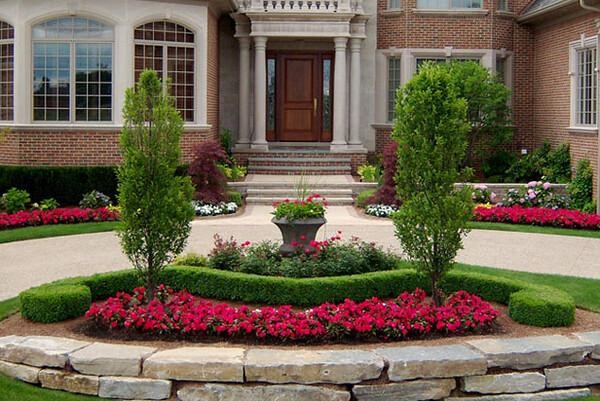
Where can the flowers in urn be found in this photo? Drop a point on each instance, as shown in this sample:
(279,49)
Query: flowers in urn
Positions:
(312,207)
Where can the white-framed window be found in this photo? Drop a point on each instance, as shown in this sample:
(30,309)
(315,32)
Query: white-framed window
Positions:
(7,58)
(169,48)
(393,83)
(448,4)
(584,82)
(72,70)
(502,5)
(394,4)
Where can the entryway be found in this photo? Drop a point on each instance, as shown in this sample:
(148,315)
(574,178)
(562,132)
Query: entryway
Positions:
(299,96)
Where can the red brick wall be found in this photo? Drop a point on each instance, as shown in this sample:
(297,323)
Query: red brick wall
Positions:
(71,148)
(413,30)
(551,86)
(213,74)
(522,98)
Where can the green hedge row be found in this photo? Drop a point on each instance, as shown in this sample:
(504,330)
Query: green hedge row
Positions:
(528,304)
(65,184)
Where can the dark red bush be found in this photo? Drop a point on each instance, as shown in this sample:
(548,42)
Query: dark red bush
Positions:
(208,179)
(386,193)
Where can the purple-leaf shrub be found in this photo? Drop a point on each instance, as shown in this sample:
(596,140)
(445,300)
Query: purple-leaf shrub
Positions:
(208,179)
(386,193)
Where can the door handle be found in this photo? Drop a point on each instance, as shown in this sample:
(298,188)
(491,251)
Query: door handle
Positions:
(315,106)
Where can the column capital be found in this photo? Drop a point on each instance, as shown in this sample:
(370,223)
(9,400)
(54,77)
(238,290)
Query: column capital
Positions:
(260,42)
(355,44)
(244,41)
(340,43)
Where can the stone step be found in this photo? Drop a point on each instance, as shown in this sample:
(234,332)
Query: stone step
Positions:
(291,192)
(297,169)
(288,160)
(269,200)
(251,187)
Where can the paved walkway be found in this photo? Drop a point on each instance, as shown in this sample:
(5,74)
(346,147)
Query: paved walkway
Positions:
(28,263)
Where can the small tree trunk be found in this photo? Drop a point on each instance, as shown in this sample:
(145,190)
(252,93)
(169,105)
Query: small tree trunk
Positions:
(436,292)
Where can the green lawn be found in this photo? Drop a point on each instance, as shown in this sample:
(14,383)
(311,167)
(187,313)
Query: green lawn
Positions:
(522,228)
(55,230)
(13,390)
(583,290)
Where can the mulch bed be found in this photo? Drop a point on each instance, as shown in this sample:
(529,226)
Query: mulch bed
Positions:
(82,329)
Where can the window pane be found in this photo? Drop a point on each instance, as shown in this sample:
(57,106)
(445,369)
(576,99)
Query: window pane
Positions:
(326,95)
(6,76)
(51,84)
(422,61)
(394,4)
(587,87)
(271,75)
(93,75)
(394,67)
(163,52)
(432,4)
(71,28)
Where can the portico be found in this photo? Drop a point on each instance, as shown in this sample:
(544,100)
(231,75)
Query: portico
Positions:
(292,94)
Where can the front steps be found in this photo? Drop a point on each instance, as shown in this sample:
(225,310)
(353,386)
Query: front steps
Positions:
(300,162)
(339,190)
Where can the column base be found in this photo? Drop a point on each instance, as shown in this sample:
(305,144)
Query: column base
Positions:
(259,146)
(356,146)
(338,146)
(242,146)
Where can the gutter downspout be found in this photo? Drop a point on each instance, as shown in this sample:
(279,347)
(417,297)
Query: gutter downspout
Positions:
(597,10)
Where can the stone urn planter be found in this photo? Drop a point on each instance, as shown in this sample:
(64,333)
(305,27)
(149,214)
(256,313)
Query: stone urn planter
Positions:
(299,231)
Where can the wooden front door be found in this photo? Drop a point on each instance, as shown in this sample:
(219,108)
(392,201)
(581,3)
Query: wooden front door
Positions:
(302,84)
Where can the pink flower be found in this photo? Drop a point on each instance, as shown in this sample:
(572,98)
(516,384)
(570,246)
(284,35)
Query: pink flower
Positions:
(532,184)
(547,186)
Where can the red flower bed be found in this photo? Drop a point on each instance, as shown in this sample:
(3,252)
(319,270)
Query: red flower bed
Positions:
(409,315)
(56,216)
(538,216)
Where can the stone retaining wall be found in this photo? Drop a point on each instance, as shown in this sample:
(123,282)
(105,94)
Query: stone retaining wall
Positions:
(521,369)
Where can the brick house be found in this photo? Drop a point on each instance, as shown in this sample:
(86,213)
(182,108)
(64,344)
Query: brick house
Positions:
(304,84)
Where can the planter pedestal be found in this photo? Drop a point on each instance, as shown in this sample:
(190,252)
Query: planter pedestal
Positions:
(300,231)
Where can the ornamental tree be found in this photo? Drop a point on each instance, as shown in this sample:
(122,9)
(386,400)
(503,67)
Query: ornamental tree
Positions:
(156,208)
(488,109)
(431,130)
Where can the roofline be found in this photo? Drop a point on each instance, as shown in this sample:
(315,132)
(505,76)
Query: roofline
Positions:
(527,17)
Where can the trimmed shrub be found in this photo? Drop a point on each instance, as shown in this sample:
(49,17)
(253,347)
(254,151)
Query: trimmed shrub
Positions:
(528,304)
(542,307)
(54,303)
(65,184)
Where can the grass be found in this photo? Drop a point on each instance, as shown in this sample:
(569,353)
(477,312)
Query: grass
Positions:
(523,228)
(55,230)
(583,290)
(13,390)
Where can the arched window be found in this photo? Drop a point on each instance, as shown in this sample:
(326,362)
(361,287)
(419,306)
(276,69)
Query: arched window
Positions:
(72,70)
(168,48)
(7,51)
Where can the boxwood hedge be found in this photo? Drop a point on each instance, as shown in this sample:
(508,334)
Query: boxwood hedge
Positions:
(528,304)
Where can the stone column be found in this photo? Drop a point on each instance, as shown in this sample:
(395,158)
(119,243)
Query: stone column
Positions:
(260,93)
(244,100)
(339,95)
(355,44)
